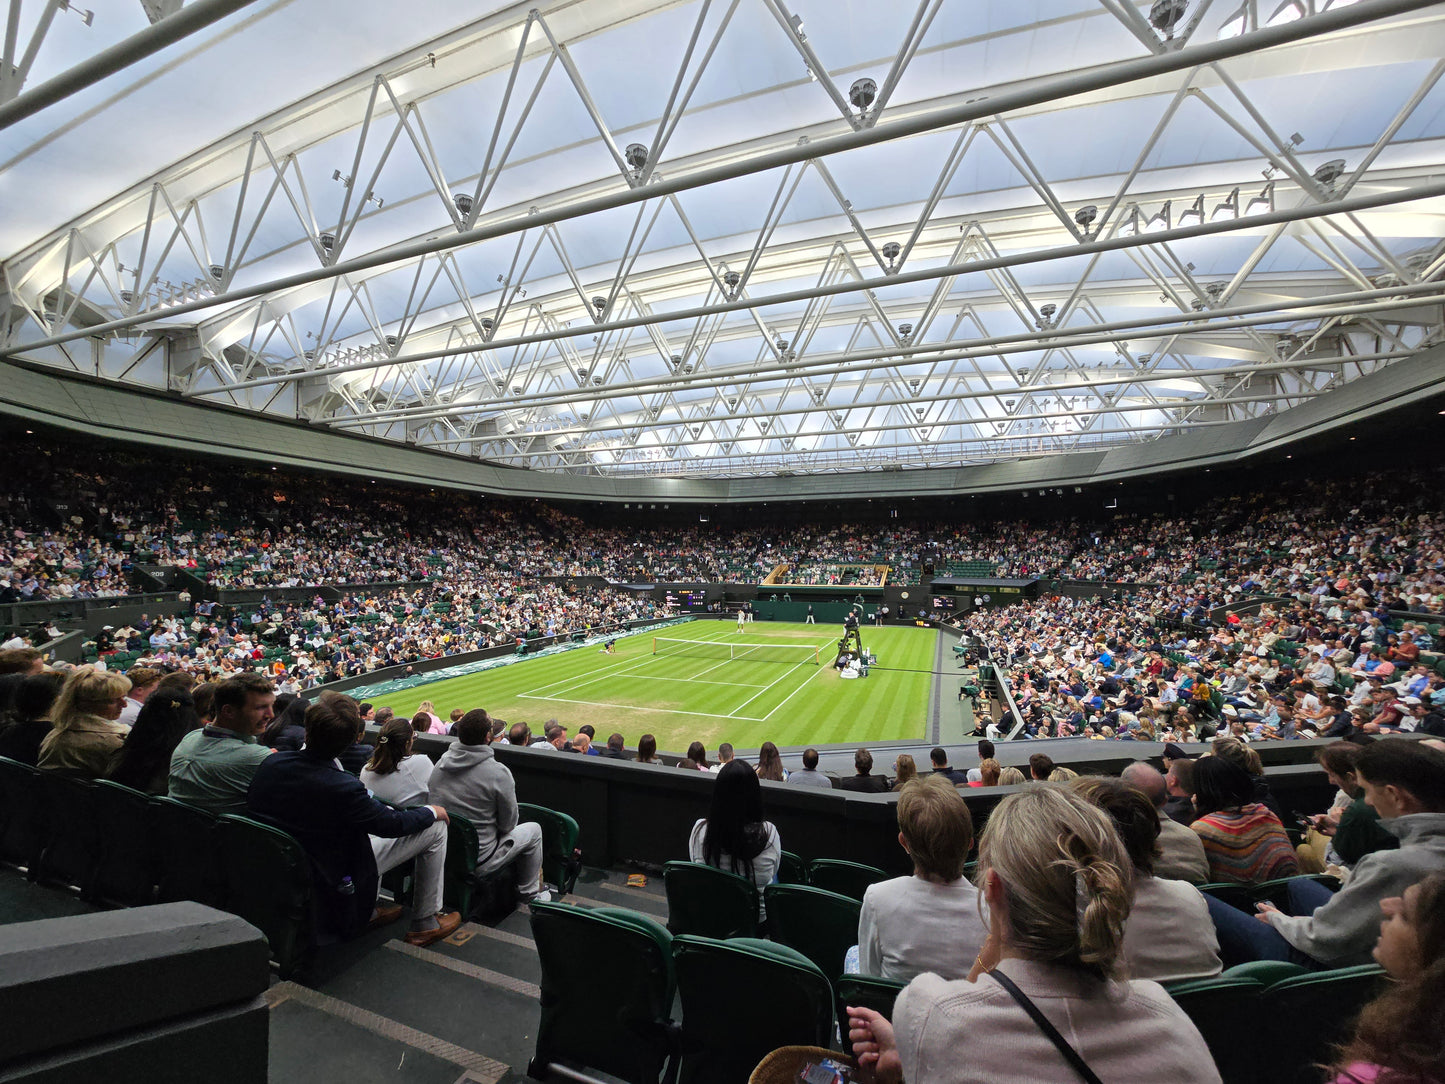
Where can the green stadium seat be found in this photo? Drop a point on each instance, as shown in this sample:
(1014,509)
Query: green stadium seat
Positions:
(69,835)
(1265,972)
(709,902)
(1226,1012)
(741,1000)
(821,925)
(792,870)
(1277,891)
(607,992)
(865,992)
(125,868)
(845,878)
(267,879)
(1320,1009)
(19,816)
(561,861)
(1240,896)
(186,866)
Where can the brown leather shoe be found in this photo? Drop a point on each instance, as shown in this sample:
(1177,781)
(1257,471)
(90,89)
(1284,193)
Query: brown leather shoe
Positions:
(447,924)
(384,916)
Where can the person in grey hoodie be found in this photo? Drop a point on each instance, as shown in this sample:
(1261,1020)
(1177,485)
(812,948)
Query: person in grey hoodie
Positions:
(1405,781)
(480,788)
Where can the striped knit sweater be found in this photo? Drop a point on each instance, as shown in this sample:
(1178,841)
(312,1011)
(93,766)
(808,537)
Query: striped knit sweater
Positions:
(1246,845)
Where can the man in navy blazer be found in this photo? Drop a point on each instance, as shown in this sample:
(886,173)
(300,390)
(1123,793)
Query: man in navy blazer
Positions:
(350,837)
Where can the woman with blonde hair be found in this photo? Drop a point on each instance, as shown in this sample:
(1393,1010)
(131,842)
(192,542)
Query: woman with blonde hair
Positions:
(85,732)
(434,724)
(1010,777)
(904,769)
(1047,988)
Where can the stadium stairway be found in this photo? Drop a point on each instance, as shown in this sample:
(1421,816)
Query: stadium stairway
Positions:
(377,1009)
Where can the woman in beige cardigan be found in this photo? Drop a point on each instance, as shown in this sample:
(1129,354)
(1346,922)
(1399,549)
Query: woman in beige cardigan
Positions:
(85,733)
(1056,880)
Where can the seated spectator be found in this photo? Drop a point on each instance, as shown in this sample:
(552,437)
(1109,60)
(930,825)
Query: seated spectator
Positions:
(938,758)
(586,740)
(30,713)
(393,773)
(21,660)
(1350,828)
(1055,877)
(143,762)
(1241,754)
(86,730)
(989,772)
(734,836)
(617,750)
(1405,782)
(647,750)
(863,781)
(287,731)
(724,756)
(143,681)
(354,757)
(985,752)
(1062,775)
(696,757)
(213,767)
(433,720)
(519,734)
(904,770)
(350,837)
(931,920)
(1041,766)
(1244,842)
(1011,777)
(554,734)
(1179,782)
(474,784)
(1391,1040)
(421,723)
(1180,855)
(1168,935)
(809,776)
(770,763)
(582,743)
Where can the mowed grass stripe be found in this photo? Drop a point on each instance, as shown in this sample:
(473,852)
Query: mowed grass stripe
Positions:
(708,699)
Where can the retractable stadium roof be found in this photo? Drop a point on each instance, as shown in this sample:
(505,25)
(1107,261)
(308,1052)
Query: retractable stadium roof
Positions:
(727,238)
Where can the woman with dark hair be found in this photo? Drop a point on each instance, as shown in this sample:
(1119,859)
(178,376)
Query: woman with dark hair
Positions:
(393,774)
(143,762)
(647,749)
(30,710)
(770,763)
(696,757)
(287,732)
(1397,1038)
(734,836)
(1244,842)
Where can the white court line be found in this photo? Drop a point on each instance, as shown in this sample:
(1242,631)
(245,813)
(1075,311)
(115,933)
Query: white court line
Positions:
(796,691)
(634,707)
(603,670)
(785,673)
(695,681)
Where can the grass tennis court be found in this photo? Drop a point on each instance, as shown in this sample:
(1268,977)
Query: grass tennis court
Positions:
(769,693)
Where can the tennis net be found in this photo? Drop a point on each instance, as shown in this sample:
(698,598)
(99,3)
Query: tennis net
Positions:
(753,651)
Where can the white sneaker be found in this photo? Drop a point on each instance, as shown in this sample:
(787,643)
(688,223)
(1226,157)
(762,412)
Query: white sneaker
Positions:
(541,897)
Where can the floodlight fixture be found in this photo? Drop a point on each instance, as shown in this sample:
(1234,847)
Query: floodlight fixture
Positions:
(1330,172)
(862,93)
(1263,203)
(328,241)
(636,156)
(1162,220)
(905,330)
(599,303)
(1194,215)
(1047,311)
(732,278)
(1227,210)
(217,271)
(463,202)
(891,251)
(488,326)
(1164,15)
(1086,214)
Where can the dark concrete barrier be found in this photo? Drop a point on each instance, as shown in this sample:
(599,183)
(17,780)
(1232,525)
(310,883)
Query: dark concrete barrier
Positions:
(161,994)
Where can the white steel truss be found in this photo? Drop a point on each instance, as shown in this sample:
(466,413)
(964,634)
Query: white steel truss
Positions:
(728,237)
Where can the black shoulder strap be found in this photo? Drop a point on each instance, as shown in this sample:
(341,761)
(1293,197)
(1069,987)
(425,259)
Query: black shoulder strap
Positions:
(1071,1055)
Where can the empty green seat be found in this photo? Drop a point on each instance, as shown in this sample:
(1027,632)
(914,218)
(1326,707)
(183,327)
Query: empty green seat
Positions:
(561,862)
(845,878)
(1265,972)
(186,867)
(125,868)
(709,902)
(607,992)
(1320,1008)
(821,925)
(865,992)
(741,1000)
(1227,1013)
(69,835)
(19,820)
(792,870)
(267,881)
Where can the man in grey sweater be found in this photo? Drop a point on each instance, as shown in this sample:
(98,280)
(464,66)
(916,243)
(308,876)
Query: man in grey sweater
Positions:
(480,788)
(1405,781)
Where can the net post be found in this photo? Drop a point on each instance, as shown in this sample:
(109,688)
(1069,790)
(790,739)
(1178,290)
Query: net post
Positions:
(654,645)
